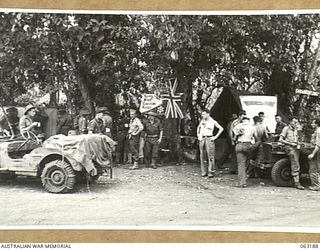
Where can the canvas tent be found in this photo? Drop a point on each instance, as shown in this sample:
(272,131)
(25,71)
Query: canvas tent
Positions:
(229,103)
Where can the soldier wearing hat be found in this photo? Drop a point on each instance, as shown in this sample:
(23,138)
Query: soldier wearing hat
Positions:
(96,124)
(84,121)
(153,136)
(26,123)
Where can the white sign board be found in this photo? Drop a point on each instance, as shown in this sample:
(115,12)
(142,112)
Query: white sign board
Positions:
(254,104)
(149,102)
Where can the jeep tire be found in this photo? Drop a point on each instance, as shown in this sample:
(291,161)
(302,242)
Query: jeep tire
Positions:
(281,173)
(58,177)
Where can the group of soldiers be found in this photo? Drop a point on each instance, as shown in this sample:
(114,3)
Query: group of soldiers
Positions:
(245,143)
(138,138)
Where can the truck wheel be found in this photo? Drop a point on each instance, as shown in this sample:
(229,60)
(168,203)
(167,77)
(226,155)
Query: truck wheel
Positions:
(281,173)
(58,177)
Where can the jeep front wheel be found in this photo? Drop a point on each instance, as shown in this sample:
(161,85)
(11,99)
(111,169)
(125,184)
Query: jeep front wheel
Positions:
(58,177)
(281,173)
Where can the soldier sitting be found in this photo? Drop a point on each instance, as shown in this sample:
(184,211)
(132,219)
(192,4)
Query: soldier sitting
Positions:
(289,137)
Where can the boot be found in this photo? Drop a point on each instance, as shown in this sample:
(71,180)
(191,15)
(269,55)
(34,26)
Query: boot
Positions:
(135,166)
(153,163)
(297,184)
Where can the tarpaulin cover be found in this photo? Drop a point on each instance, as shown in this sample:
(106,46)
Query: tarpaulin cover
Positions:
(85,149)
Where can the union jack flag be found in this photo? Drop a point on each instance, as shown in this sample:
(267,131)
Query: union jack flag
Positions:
(173,101)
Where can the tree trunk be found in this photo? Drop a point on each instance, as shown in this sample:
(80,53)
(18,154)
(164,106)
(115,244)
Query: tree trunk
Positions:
(313,72)
(53,99)
(84,90)
(80,77)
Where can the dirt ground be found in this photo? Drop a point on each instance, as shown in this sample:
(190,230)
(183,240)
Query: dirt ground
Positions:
(168,196)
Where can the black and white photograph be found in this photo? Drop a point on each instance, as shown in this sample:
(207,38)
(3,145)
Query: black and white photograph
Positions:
(160,120)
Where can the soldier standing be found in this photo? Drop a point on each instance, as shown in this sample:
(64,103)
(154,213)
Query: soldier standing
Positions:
(279,126)
(96,124)
(233,167)
(107,121)
(229,148)
(122,139)
(65,123)
(261,136)
(246,136)
(153,137)
(142,140)
(135,127)
(83,121)
(263,122)
(314,157)
(206,142)
(289,137)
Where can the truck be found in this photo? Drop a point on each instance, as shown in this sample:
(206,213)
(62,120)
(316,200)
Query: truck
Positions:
(60,161)
(275,162)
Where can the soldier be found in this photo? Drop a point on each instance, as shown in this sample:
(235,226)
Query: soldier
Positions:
(289,137)
(84,121)
(96,124)
(122,132)
(206,142)
(41,117)
(279,127)
(245,136)
(314,157)
(135,127)
(65,123)
(233,166)
(142,141)
(153,136)
(261,136)
(229,148)
(107,122)
(26,123)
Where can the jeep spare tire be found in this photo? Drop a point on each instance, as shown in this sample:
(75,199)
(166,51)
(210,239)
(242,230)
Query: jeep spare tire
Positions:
(281,173)
(58,177)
